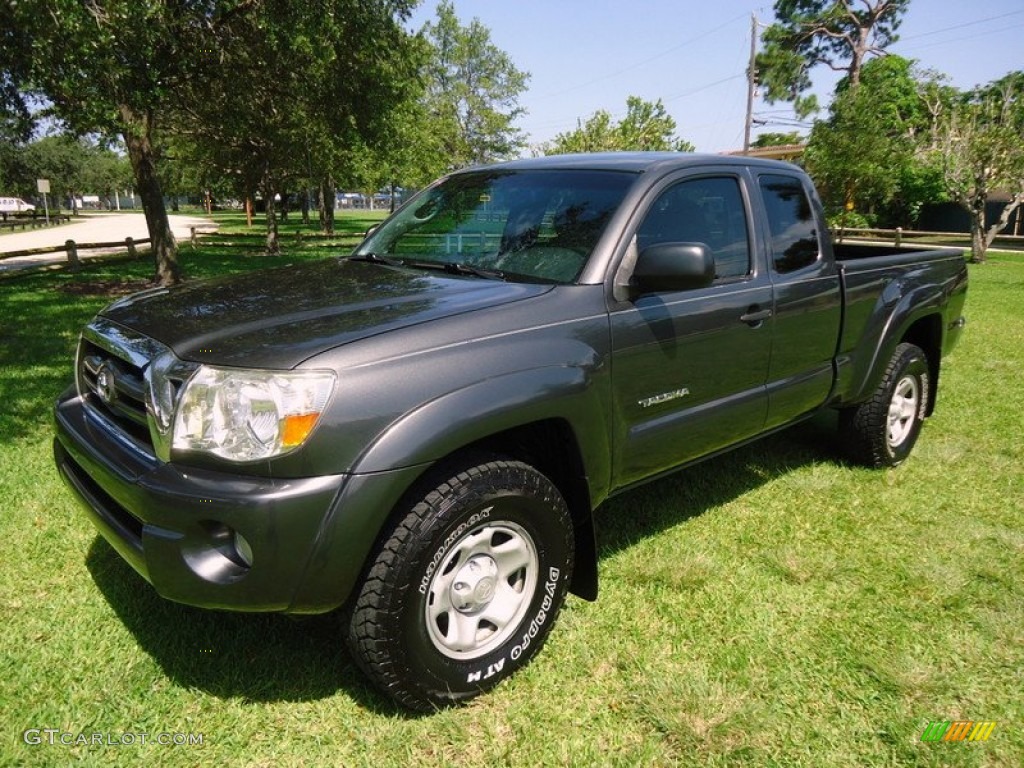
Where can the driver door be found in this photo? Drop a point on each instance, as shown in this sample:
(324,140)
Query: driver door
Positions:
(689,368)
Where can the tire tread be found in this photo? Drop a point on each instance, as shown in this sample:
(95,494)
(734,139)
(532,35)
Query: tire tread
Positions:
(379,604)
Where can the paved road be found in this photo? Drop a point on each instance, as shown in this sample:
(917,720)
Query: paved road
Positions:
(88,228)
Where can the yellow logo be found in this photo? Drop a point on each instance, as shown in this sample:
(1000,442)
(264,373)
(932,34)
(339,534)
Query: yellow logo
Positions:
(958,730)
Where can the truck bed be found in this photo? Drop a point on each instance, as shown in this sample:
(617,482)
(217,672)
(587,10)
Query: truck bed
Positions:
(847,252)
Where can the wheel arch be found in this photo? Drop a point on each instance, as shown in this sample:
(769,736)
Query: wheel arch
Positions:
(926,333)
(549,445)
(551,418)
(916,318)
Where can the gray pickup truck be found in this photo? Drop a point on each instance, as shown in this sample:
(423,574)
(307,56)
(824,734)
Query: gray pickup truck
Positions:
(419,432)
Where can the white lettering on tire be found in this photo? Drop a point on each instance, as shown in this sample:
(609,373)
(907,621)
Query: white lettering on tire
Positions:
(542,615)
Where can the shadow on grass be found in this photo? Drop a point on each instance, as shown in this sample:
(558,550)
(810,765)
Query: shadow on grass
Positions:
(646,511)
(267,657)
(258,657)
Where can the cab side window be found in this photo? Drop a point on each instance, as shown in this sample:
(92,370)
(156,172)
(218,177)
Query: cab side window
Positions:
(794,238)
(709,211)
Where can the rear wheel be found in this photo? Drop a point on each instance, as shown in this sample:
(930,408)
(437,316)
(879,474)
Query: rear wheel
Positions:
(466,587)
(882,431)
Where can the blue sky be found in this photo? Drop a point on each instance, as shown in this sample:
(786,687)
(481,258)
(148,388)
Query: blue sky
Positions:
(584,56)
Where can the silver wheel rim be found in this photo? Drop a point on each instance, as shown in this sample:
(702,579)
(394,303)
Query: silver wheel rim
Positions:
(481,590)
(906,398)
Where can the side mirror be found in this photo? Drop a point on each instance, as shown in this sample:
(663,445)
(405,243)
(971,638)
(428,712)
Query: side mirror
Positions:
(672,267)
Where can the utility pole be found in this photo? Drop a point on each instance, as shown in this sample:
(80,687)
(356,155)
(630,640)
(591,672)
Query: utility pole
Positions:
(751,84)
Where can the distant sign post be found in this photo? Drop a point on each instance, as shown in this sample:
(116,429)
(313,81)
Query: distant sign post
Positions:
(44,186)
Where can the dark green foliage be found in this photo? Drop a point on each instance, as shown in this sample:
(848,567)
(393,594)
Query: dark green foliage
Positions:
(868,152)
(840,34)
(771,139)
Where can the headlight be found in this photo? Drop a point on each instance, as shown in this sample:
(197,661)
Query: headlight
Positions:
(246,415)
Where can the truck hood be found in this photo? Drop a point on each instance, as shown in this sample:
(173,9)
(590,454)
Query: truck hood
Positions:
(278,318)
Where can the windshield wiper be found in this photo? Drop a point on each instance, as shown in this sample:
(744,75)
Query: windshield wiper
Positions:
(456,268)
(376,258)
(451,267)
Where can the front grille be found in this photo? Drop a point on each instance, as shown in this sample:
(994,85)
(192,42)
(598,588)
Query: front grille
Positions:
(116,368)
(114,386)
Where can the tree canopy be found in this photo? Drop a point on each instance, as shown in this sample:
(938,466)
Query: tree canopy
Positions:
(981,150)
(646,127)
(774,139)
(839,34)
(473,91)
(867,155)
(142,69)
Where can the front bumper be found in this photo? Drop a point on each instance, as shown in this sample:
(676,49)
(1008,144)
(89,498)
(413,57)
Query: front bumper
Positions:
(219,540)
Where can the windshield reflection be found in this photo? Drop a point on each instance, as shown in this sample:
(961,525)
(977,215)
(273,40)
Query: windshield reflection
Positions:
(536,226)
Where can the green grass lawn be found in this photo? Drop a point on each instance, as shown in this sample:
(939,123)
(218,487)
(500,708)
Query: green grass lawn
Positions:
(774,606)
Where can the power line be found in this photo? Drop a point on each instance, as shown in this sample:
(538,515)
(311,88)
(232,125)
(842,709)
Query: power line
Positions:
(623,113)
(961,38)
(644,62)
(960,26)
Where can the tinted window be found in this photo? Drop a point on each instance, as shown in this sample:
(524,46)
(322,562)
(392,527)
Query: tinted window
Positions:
(790,223)
(708,211)
(537,225)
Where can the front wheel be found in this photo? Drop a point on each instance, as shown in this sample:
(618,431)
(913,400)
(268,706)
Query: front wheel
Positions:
(466,587)
(881,432)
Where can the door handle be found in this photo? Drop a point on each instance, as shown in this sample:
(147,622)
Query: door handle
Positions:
(754,316)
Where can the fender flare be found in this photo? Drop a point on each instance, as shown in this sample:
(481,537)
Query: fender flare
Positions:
(889,329)
(443,426)
(467,415)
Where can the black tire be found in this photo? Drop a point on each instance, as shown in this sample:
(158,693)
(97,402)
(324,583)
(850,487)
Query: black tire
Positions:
(466,587)
(881,431)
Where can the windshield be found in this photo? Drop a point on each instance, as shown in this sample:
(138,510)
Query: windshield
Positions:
(536,225)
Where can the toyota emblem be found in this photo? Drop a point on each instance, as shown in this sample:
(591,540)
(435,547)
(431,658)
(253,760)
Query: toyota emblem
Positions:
(106,387)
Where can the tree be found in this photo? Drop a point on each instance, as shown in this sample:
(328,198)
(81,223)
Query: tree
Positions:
(134,67)
(981,149)
(770,139)
(318,84)
(473,90)
(866,155)
(646,127)
(841,34)
(15,46)
(115,67)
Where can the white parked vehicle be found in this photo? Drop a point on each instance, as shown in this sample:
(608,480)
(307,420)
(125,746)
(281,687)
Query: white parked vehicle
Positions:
(14,205)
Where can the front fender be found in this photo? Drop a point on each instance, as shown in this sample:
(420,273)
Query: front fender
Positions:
(442,426)
(405,450)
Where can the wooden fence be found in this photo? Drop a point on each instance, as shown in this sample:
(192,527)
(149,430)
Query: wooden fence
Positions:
(71,248)
(32,222)
(898,235)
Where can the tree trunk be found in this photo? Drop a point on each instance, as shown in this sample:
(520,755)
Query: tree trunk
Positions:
(976,208)
(1004,218)
(284,205)
(327,197)
(273,243)
(137,132)
(248,209)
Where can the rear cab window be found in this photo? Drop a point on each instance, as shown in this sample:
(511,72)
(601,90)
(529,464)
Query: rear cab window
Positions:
(792,230)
